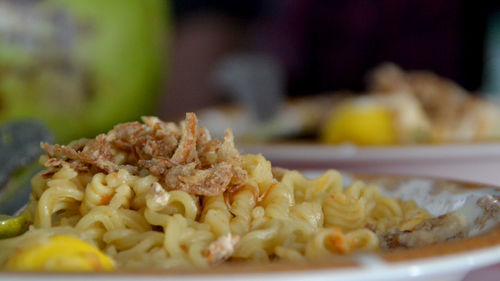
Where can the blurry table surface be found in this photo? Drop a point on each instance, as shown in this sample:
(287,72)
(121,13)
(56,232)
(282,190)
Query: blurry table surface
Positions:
(491,273)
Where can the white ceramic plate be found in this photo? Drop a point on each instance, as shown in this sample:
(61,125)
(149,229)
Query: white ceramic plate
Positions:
(467,162)
(444,261)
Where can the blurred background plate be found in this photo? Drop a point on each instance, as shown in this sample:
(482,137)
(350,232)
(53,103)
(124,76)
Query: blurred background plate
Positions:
(468,162)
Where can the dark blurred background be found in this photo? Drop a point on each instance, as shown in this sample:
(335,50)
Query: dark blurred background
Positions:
(82,66)
(330,45)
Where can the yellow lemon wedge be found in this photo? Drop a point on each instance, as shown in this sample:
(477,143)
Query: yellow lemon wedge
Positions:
(60,253)
(362,122)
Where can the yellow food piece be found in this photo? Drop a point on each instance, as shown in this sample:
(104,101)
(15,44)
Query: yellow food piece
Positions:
(362,122)
(60,253)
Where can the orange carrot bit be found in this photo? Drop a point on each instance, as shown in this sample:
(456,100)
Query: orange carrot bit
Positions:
(105,199)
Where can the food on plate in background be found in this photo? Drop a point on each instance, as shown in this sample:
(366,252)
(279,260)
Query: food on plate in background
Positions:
(298,117)
(454,114)
(424,108)
(363,121)
(80,66)
(166,195)
(398,107)
(375,120)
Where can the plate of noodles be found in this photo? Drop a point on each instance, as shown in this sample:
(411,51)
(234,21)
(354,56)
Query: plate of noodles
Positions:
(158,200)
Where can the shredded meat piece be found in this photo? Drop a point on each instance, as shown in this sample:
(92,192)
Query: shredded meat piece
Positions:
(98,152)
(208,152)
(206,147)
(490,206)
(95,152)
(230,154)
(186,151)
(208,182)
(55,162)
(126,135)
(145,141)
(221,249)
(204,136)
(61,155)
(60,151)
(157,166)
(451,226)
(184,157)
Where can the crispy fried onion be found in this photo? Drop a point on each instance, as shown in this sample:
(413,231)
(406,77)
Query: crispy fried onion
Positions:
(183,156)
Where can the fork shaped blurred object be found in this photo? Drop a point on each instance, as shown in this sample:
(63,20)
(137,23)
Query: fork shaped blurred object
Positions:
(19,147)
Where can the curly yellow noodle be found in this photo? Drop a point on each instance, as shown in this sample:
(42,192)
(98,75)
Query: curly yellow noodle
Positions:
(309,212)
(216,214)
(386,214)
(261,239)
(259,171)
(134,220)
(412,215)
(146,241)
(344,211)
(320,245)
(122,239)
(243,202)
(277,201)
(176,225)
(141,187)
(362,240)
(122,197)
(289,254)
(97,191)
(62,191)
(294,234)
(39,185)
(306,189)
(177,202)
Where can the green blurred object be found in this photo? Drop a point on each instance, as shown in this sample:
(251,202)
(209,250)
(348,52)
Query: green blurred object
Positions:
(13,226)
(81,66)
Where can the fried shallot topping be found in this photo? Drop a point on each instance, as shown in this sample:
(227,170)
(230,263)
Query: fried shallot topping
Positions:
(182,156)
